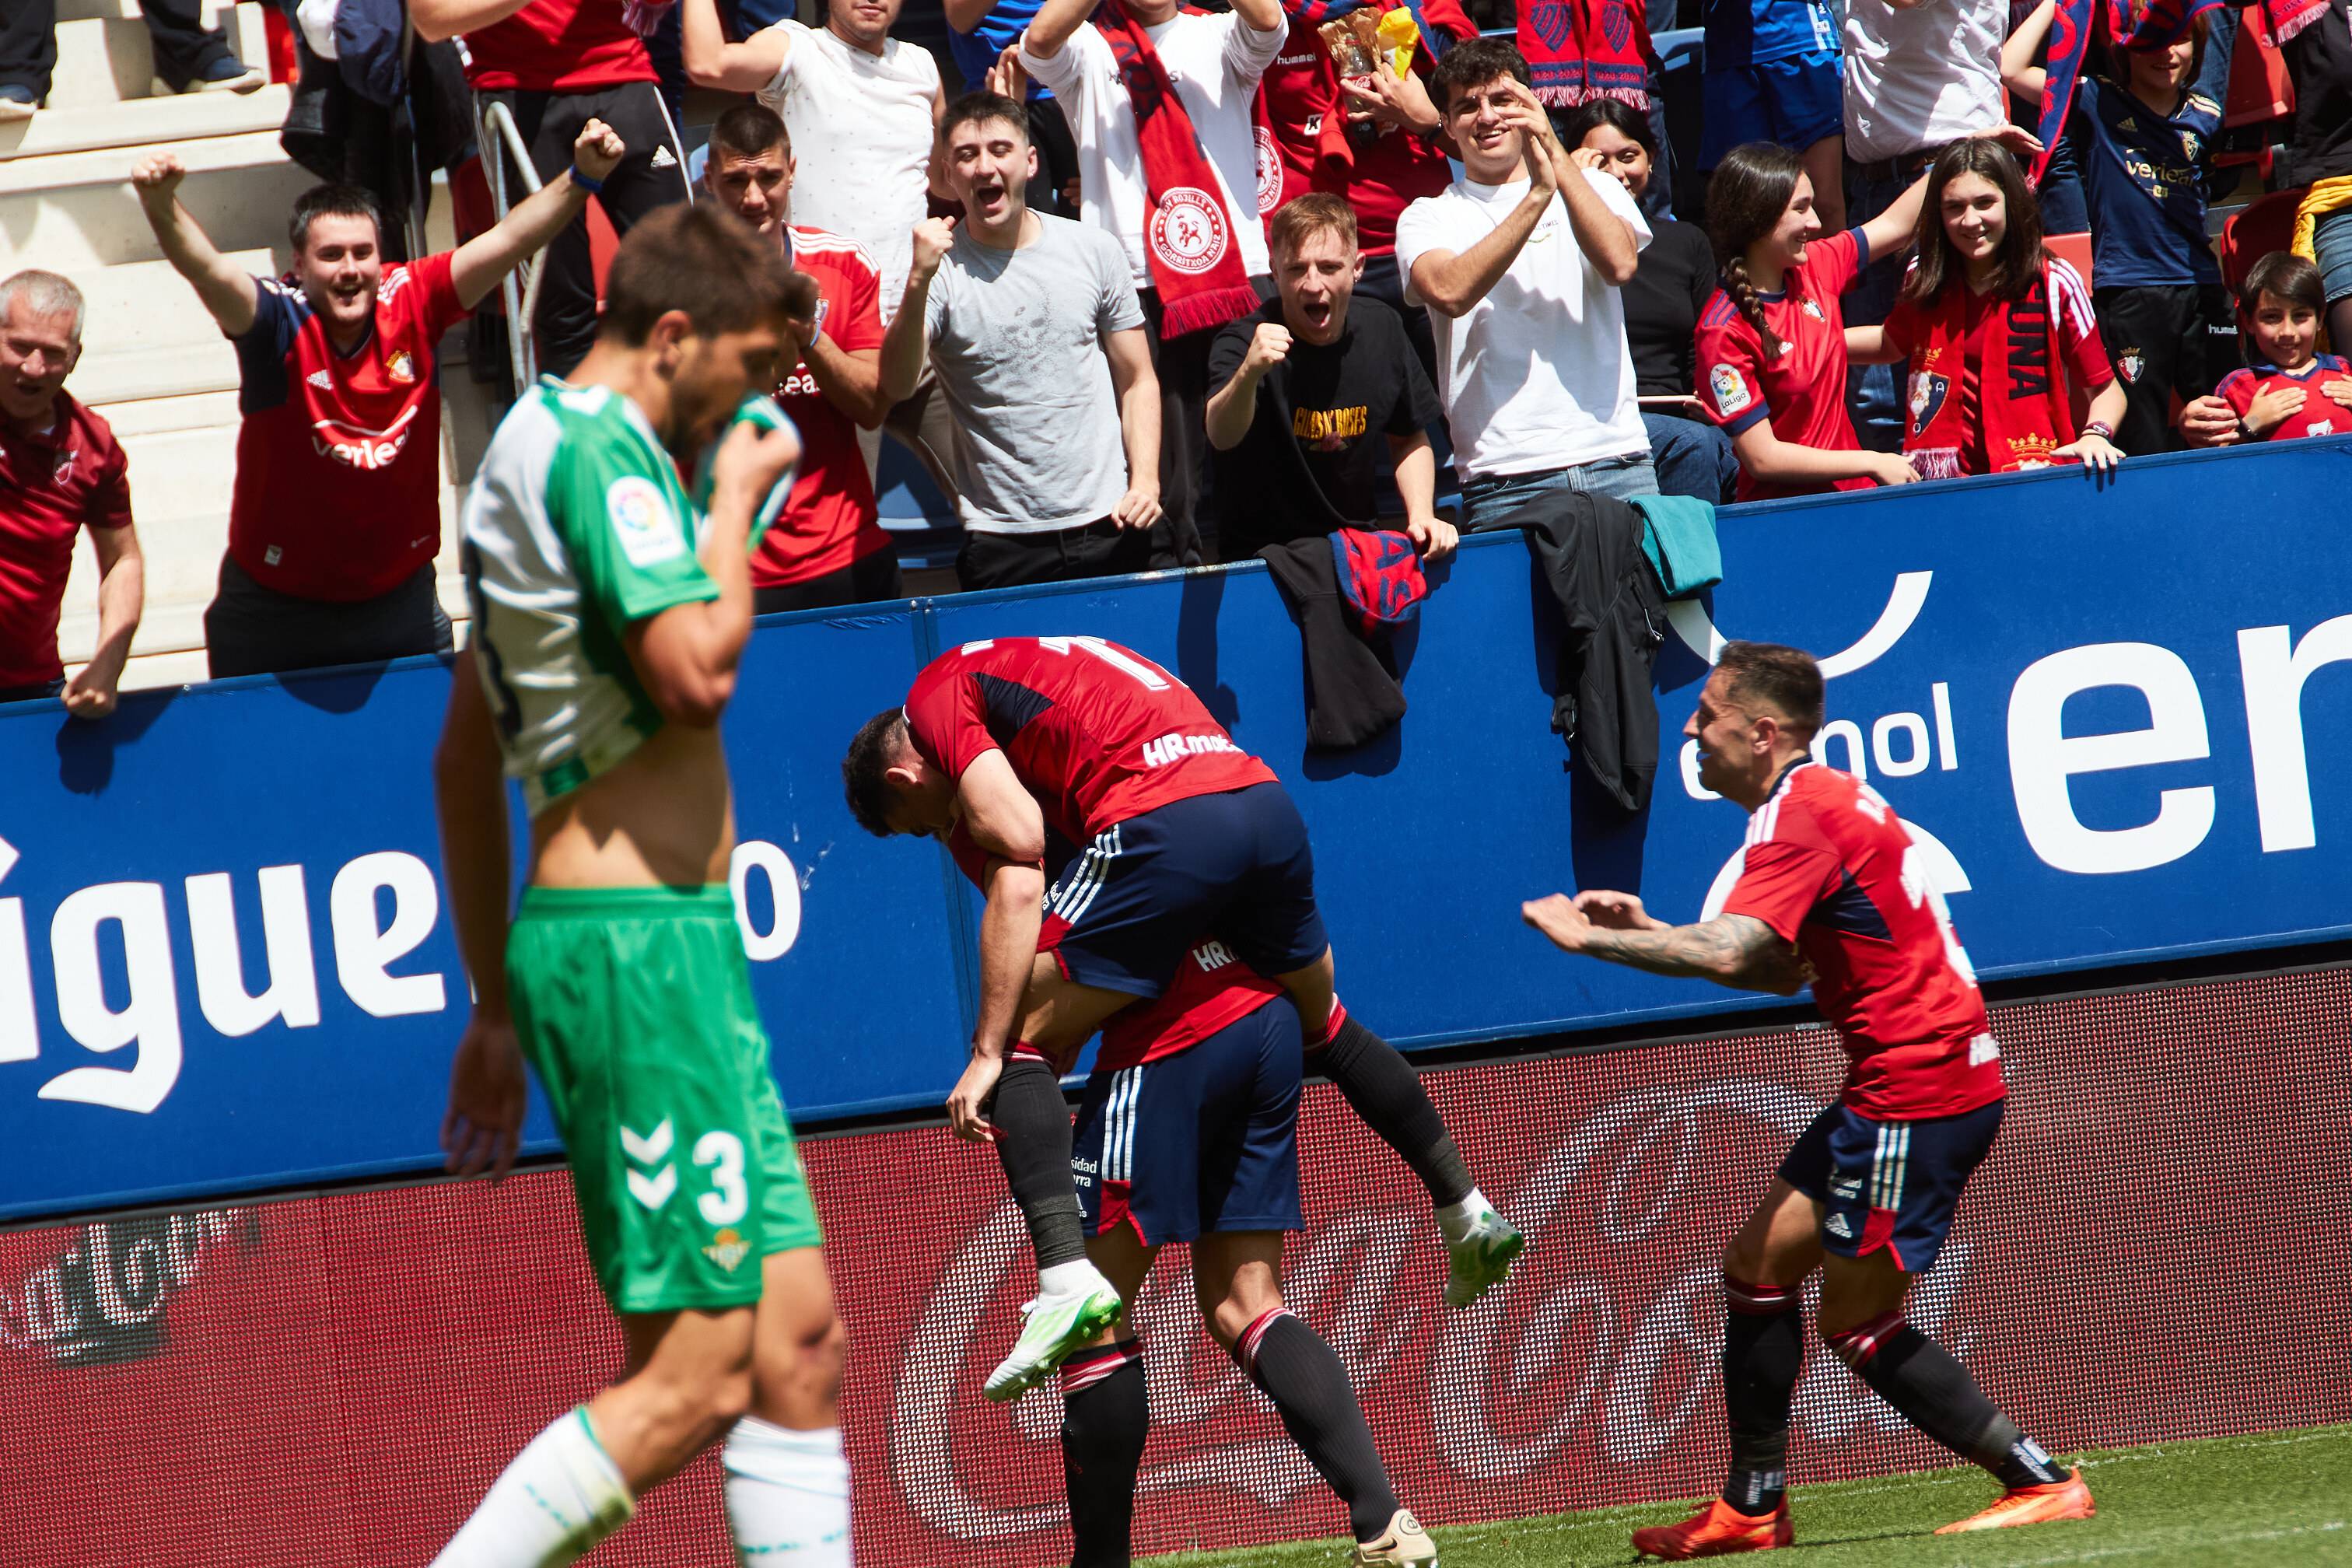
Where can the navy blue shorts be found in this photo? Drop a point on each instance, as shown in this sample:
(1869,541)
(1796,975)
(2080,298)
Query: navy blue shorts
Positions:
(1889,1183)
(1206,1139)
(1235,867)
(1795,101)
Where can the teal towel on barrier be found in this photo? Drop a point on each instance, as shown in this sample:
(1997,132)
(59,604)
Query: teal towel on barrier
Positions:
(1678,536)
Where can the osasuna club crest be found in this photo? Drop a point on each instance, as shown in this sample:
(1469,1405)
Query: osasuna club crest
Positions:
(1187,231)
(1270,168)
(1927,393)
(2129,365)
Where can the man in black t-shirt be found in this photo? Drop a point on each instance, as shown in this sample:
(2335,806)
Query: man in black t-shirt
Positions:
(1303,388)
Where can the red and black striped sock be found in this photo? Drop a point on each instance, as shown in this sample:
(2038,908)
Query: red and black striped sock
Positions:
(1763,1352)
(1381,1087)
(1931,1390)
(1309,1388)
(1105,1419)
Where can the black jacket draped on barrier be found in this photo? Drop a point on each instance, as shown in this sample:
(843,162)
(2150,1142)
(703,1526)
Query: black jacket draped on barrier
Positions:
(1591,551)
(1353,695)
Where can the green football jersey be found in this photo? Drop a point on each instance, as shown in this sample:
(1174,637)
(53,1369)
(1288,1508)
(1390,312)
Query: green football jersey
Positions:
(576,527)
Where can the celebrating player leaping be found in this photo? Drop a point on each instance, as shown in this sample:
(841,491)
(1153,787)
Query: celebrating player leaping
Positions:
(1832,889)
(1184,834)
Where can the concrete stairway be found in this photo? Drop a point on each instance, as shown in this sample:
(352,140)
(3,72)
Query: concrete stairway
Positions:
(152,361)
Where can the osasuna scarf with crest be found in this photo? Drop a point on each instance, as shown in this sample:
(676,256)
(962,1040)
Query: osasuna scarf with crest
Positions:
(1189,234)
(1578,50)
(2164,22)
(2024,406)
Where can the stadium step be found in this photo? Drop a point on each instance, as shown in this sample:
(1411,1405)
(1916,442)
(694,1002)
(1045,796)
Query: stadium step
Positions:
(74,212)
(143,122)
(111,58)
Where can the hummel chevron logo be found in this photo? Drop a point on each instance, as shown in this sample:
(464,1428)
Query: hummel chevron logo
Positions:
(653,1192)
(648,1149)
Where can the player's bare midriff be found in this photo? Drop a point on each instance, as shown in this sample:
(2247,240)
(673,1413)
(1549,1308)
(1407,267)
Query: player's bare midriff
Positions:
(665,815)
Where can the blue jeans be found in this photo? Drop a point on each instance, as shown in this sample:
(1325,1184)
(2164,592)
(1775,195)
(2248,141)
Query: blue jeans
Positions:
(1870,389)
(1692,458)
(1621,476)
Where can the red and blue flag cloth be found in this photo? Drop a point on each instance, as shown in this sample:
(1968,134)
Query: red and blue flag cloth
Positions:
(2160,23)
(1380,579)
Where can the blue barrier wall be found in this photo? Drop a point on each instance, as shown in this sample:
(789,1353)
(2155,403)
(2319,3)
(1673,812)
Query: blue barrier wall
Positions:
(225,965)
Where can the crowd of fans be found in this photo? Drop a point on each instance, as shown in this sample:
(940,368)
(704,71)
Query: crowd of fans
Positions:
(1163,286)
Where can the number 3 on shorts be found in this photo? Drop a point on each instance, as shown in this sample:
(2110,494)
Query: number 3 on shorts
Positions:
(729,1197)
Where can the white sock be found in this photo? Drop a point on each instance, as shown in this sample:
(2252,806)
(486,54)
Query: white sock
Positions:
(560,1497)
(787,1496)
(1068,1279)
(1454,1220)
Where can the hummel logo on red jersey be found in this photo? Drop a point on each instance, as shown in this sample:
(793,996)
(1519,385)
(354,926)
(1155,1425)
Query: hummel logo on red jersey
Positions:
(1175,748)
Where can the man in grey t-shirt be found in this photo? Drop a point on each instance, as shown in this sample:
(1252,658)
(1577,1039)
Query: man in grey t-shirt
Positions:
(1034,330)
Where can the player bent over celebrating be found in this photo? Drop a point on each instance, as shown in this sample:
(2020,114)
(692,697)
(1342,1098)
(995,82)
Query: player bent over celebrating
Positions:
(1188,1132)
(1832,889)
(1184,833)
(607,649)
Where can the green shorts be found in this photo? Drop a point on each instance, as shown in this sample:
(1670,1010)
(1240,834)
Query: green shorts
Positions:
(634,1006)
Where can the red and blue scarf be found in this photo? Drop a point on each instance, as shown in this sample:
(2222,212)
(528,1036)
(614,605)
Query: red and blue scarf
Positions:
(2164,22)
(1578,50)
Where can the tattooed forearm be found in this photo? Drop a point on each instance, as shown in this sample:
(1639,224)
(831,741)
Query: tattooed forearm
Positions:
(1737,951)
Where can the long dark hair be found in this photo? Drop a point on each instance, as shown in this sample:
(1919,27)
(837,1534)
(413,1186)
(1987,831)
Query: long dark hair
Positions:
(2019,259)
(1744,198)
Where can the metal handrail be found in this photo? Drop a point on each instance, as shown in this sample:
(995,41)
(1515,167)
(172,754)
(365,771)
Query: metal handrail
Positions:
(520,287)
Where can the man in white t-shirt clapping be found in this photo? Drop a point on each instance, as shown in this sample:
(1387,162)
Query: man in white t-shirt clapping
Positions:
(1177,186)
(1519,262)
(863,111)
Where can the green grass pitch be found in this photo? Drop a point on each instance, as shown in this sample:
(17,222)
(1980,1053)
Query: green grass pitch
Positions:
(2277,1497)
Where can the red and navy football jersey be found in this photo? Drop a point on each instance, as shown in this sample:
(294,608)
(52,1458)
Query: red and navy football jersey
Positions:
(1828,866)
(53,485)
(337,490)
(1097,732)
(2320,413)
(1212,988)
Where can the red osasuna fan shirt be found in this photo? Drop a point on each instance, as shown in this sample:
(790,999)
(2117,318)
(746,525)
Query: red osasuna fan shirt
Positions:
(558,46)
(830,521)
(1385,175)
(52,486)
(337,490)
(1801,390)
(1097,732)
(1830,866)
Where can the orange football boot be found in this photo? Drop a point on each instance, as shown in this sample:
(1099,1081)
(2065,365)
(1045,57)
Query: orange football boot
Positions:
(2069,1498)
(1716,1530)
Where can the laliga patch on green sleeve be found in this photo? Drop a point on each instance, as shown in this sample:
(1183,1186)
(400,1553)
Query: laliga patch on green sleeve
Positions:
(643,522)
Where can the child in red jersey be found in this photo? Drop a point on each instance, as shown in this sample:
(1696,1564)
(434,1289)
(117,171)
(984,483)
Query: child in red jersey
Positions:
(2290,389)
(2002,344)
(1772,342)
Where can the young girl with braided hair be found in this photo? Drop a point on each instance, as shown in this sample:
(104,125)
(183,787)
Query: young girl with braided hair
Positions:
(1771,341)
